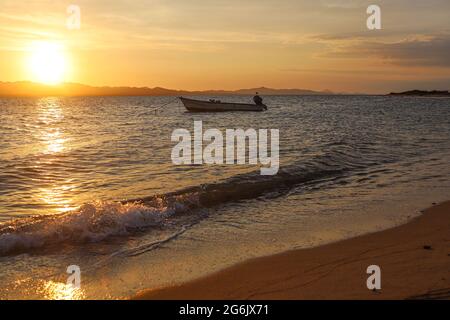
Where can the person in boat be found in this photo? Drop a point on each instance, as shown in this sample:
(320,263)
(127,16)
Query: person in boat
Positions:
(258,100)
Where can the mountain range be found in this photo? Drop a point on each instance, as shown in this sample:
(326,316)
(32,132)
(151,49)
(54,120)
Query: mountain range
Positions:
(32,89)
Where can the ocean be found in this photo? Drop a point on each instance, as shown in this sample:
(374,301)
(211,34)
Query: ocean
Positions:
(90,182)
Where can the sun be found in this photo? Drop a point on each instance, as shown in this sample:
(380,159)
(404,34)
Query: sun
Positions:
(47,62)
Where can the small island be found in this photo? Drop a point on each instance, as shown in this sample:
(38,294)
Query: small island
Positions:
(421,93)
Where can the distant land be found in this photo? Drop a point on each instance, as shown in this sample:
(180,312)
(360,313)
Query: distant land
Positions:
(421,93)
(32,89)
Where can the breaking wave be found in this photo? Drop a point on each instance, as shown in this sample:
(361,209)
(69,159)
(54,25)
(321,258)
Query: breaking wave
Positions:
(94,222)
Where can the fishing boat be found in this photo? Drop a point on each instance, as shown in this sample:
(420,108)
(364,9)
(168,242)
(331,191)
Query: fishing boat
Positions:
(218,106)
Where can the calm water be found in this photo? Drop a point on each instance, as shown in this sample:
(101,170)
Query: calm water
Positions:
(349,165)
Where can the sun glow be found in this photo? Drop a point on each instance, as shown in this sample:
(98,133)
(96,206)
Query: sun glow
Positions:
(47,62)
(60,291)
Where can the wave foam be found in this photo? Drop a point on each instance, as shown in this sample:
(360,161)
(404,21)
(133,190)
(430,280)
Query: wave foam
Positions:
(90,223)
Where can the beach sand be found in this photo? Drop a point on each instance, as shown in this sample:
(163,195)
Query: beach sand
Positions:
(414,259)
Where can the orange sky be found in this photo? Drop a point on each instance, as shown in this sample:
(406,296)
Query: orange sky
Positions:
(229,44)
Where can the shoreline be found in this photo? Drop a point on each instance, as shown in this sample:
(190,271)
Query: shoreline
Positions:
(414,259)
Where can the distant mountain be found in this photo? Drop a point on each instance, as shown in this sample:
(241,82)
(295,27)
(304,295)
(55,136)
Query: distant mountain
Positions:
(32,89)
(270,91)
(421,93)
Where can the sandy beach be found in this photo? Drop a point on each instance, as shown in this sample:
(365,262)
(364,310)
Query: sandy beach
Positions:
(414,259)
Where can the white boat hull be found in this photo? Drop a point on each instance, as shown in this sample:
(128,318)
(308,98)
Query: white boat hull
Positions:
(207,106)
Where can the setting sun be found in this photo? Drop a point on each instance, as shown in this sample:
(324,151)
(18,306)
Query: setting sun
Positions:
(47,62)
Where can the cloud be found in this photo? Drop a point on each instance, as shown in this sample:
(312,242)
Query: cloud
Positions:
(434,52)
(426,50)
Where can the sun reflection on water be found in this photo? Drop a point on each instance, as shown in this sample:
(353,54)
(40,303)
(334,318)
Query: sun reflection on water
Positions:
(52,290)
(50,134)
(57,196)
(53,141)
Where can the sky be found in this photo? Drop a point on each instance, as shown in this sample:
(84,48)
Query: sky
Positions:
(230,44)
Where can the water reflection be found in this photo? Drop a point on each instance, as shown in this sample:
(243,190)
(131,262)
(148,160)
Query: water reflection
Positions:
(57,196)
(51,137)
(54,141)
(48,132)
(61,291)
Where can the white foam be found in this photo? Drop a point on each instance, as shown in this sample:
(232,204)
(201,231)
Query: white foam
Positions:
(90,223)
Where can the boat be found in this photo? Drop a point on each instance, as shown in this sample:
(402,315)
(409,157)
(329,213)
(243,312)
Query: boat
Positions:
(193,105)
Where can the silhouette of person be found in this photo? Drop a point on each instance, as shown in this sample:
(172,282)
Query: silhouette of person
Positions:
(257,99)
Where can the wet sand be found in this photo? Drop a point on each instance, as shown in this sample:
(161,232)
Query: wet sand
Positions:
(414,259)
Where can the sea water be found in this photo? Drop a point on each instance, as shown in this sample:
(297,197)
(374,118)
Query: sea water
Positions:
(349,165)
